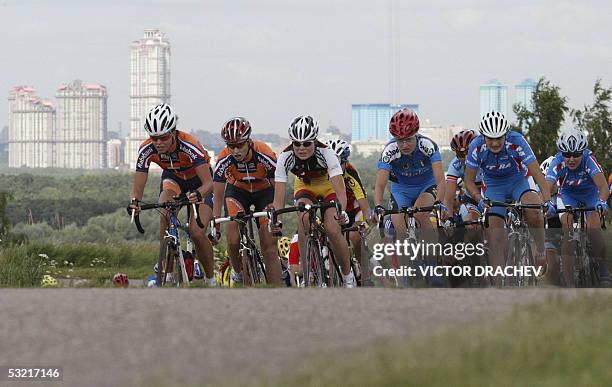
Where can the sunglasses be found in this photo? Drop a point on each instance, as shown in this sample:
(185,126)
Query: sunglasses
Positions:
(304,144)
(165,137)
(236,145)
(575,155)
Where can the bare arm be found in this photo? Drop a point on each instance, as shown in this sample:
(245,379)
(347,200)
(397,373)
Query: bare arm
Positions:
(534,169)
(140,180)
(338,183)
(365,208)
(449,194)
(470,185)
(280,189)
(382,178)
(602,185)
(203,172)
(440,183)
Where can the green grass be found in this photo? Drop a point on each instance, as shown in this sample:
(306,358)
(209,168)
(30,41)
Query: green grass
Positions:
(556,343)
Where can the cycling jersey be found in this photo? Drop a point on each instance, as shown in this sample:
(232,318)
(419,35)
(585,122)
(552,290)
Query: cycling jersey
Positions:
(413,169)
(185,155)
(456,170)
(252,174)
(577,180)
(322,164)
(510,162)
(354,188)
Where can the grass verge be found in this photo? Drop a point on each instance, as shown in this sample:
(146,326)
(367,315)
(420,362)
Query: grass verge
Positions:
(556,343)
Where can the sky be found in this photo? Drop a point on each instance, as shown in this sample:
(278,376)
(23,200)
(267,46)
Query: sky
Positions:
(272,60)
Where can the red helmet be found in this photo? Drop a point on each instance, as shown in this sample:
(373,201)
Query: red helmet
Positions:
(461,141)
(121,279)
(236,130)
(404,123)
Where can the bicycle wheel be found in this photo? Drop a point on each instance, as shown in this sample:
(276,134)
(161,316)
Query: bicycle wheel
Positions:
(513,252)
(312,264)
(334,278)
(165,262)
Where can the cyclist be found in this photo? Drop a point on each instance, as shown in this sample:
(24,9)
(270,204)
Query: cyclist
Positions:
(413,164)
(552,240)
(358,208)
(318,177)
(244,177)
(186,174)
(581,182)
(505,160)
(456,171)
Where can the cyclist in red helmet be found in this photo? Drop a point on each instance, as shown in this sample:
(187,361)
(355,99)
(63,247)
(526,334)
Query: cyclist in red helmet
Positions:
(413,164)
(244,177)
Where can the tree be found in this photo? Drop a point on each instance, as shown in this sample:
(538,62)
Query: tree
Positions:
(5,222)
(541,125)
(596,120)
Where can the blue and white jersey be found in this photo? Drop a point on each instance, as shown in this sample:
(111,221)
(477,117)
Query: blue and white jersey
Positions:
(577,180)
(415,169)
(510,162)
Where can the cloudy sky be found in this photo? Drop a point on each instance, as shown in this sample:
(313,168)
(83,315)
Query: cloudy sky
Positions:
(272,60)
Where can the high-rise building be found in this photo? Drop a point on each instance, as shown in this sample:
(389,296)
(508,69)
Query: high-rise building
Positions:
(149,85)
(493,97)
(81,125)
(31,129)
(524,93)
(115,156)
(371,121)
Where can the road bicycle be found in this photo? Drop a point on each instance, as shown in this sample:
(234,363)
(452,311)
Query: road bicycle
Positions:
(586,269)
(318,256)
(253,268)
(519,251)
(171,262)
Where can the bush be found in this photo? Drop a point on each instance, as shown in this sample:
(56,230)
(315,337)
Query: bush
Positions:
(20,267)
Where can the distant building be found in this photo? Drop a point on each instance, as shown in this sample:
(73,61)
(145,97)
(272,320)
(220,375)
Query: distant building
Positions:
(493,97)
(371,121)
(442,136)
(81,126)
(115,151)
(31,130)
(149,85)
(524,93)
(4,139)
(368,148)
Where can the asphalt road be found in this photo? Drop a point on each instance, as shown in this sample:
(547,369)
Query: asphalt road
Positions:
(127,337)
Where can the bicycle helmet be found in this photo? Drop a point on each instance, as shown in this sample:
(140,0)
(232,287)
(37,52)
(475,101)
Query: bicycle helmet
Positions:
(236,130)
(545,164)
(304,128)
(572,140)
(48,282)
(461,141)
(283,246)
(494,125)
(160,120)
(121,279)
(404,123)
(341,147)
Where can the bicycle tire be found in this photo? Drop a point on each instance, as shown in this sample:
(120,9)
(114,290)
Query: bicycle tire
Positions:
(165,261)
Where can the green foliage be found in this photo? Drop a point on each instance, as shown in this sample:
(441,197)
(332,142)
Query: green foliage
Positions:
(20,267)
(557,343)
(5,222)
(60,200)
(543,124)
(596,119)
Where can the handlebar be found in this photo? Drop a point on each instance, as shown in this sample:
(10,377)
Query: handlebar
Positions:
(172,205)
(599,209)
(302,207)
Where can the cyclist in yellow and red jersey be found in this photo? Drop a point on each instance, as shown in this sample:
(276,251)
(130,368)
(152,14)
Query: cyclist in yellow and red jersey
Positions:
(244,177)
(187,174)
(357,207)
(318,177)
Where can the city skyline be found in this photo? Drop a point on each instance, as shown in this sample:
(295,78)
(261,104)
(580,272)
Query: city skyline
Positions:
(272,65)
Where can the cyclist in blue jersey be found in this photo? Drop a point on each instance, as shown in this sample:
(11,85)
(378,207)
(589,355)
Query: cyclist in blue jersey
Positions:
(456,170)
(506,160)
(415,162)
(581,182)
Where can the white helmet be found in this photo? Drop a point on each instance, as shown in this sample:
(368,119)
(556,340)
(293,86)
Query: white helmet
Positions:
(304,128)
(160,120)
(572,140)
(341,147)
(545,164)
(493,125)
